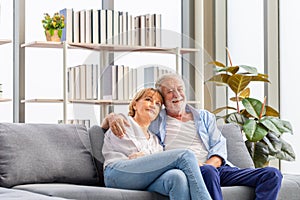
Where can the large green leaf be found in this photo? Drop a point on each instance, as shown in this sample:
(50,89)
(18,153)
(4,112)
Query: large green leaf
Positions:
(249,69)
(271,125)
(231,69)
(273,142)
(281,125)
(259,152)
(271,111)
(220,79)
(236,118)
(279,148)
(260,78)
(254,132)
(223,108)
(287,152)
(253,107)
(238,82)
(217,63)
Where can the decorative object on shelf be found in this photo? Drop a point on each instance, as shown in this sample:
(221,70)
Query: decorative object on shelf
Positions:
(259,122)
(53,26)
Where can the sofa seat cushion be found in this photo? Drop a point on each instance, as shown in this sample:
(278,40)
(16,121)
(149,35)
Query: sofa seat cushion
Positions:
(238,192)
(45,153)
(80,192)
(11,194)
(290,187)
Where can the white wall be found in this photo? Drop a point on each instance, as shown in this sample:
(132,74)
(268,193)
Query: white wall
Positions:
(289,76)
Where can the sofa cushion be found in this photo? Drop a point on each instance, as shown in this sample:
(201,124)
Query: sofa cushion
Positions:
(45,153)
(11,194)
(237,151)
(97,137)
(81,192)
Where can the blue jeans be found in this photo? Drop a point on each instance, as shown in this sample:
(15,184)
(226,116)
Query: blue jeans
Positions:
(174,173)
(266,181)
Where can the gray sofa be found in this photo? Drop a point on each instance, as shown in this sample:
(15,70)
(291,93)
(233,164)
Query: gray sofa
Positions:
(51,161)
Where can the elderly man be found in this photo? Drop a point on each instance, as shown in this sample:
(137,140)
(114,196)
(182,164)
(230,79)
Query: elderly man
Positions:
(180,125)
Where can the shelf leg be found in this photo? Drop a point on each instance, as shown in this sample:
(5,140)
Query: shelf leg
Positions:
(65,84)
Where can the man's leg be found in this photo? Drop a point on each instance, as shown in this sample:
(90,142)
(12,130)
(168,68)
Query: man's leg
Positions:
(267,181)
(212,181)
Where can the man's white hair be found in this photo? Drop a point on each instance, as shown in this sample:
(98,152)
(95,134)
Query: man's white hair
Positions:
(165,77)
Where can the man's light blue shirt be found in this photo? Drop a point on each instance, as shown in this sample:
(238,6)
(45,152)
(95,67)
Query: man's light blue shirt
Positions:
(206,127)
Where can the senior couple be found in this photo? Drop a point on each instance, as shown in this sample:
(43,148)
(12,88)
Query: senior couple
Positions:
(177,151)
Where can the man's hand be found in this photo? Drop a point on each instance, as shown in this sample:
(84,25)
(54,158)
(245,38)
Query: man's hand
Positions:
(215,161)
(116,123)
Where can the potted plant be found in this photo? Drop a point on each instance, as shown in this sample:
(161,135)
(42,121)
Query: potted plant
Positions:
(259,122)
(53,26)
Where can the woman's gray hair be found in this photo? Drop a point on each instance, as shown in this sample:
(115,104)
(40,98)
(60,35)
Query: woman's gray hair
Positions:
(166,77)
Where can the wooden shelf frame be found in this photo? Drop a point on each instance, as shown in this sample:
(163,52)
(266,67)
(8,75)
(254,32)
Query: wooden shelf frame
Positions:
(104,48)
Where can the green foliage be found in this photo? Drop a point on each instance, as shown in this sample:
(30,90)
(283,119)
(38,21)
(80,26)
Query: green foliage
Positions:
(260,123)
(54,23)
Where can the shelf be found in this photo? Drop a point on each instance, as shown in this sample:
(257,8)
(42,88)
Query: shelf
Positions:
(113,102)
(113,48)
(102,102)
(42,101)
(4,41)
(4,100)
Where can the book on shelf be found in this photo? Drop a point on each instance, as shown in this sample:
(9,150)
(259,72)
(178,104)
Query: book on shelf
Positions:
(156,21)
(82,26)
(132,85)
(95,26)
(150,76)
(89,81)
(108,82)
(139,78)
(136,33)
(67,32)
(76,27)
(120,82)
(116,30)
(142,30)
(125,28)
(121,28)
(149,32)
(77,83)
(82,82)
(95,81)
(88,26)
(71,82)
(126,82)
(102,27)
(109,26)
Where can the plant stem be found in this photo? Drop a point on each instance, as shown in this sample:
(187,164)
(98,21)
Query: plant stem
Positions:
(263,107)
(229,56)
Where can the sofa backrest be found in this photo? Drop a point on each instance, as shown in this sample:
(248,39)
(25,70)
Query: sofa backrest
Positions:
(237,152)
(45,153)
(236,148)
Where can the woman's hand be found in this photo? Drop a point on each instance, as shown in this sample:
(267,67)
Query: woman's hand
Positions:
(136,155)
(116,123)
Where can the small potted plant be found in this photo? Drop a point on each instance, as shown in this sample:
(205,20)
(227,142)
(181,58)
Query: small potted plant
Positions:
(259,122)
(53,26)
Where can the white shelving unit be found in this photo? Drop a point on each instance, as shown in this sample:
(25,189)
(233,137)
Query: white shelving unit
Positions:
(102,48)
(2,42)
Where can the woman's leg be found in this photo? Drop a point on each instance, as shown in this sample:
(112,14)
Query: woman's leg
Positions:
(172,183)
(141,172)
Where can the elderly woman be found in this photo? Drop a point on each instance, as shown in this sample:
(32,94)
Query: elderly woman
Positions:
(137,161)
